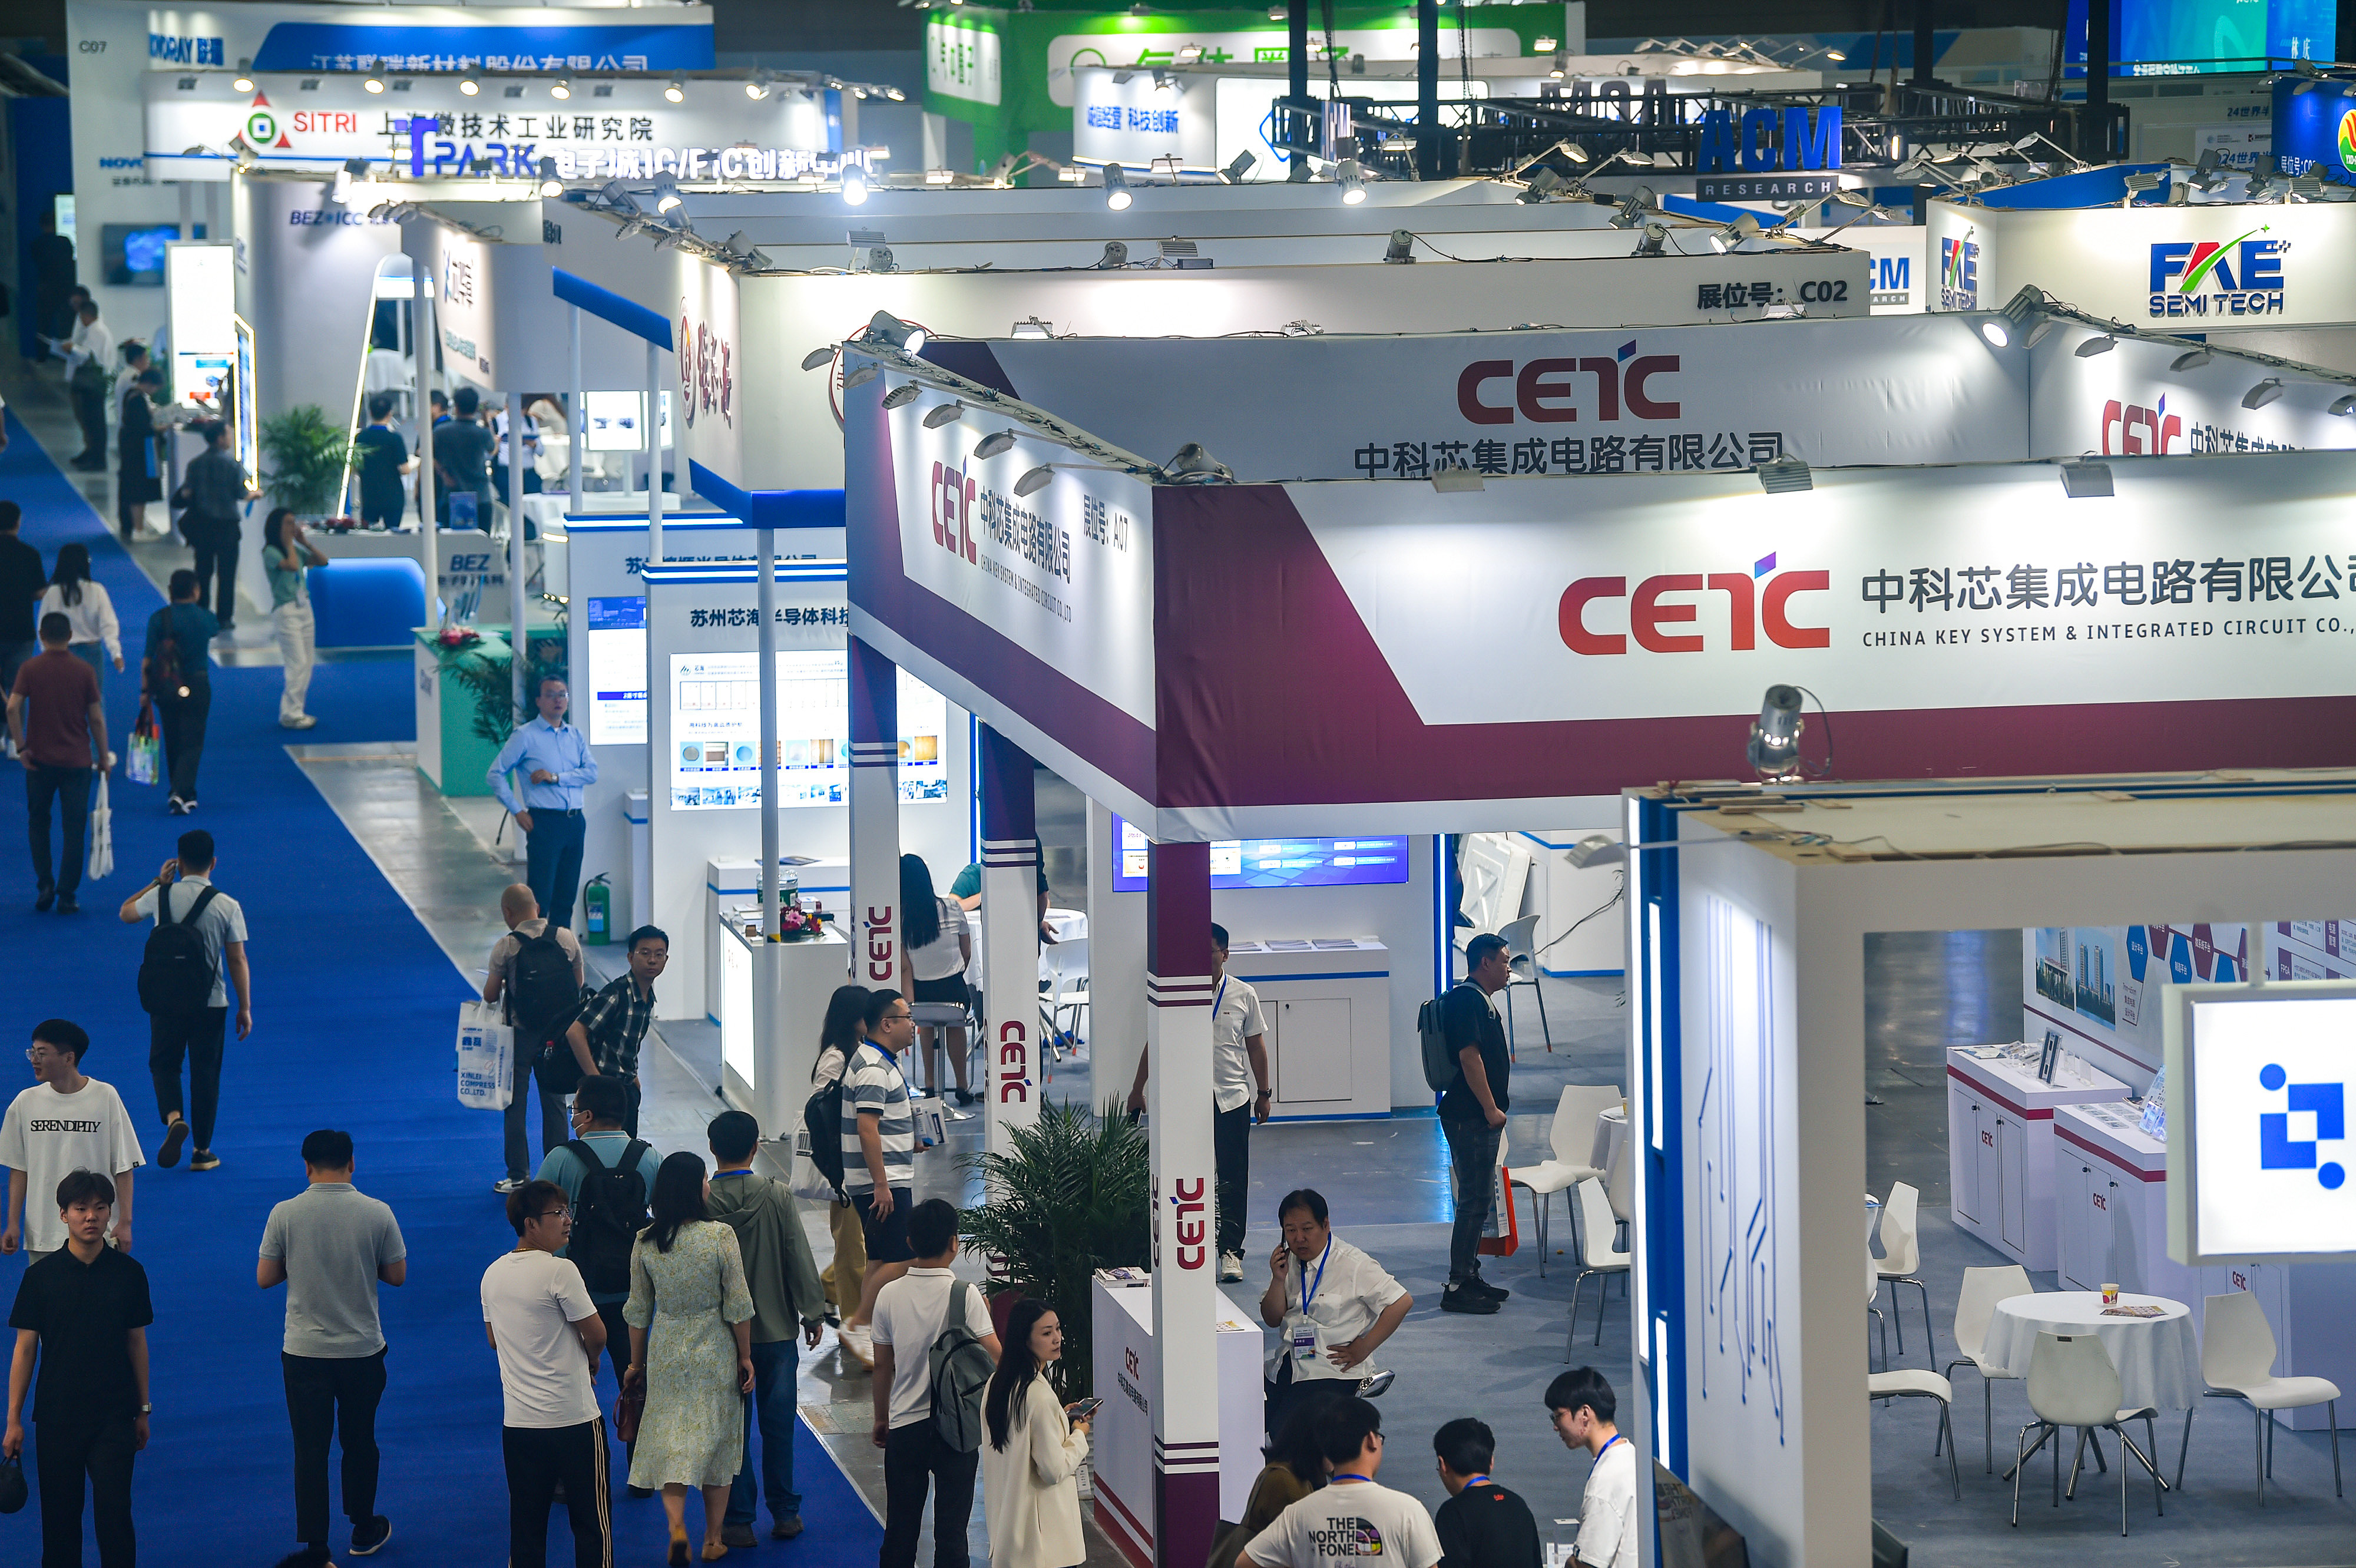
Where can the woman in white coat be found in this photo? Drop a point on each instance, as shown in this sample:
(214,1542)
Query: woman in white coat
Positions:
(1031,1450)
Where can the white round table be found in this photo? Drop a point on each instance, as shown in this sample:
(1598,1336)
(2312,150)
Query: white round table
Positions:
(2158,1358)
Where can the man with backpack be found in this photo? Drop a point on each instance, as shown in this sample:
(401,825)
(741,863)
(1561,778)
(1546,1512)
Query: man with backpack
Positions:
(1473,1106)
(536,970)
(176,675)
(935,1350)
(194,957)
(607,1175)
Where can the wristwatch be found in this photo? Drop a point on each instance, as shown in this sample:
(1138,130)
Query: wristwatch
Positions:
(145,1409)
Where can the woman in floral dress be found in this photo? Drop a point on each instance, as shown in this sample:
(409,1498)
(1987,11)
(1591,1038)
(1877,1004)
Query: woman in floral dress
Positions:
(691,1321)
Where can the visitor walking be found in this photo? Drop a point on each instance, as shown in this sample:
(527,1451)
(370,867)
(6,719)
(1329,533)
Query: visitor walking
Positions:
(557,766)
(81,1317)
(911,1314)
(330,1245)
(286,554)
(176,675)
(782,1276)
(22,578)
(57,721)
(214,492)
(535,976)
(607,1176)
(1472,1115)
(383,459)
(548,1335)
(691,1321)
(94,636)
(66,1121)
(838,1037)
(185,985)
(137,472)
(1580,1404)
(879,1154)
(1032,1450)
(613,1023)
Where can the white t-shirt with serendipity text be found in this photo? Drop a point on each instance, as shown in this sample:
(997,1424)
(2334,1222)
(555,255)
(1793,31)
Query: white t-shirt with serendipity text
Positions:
(1607,1518)
(49,1137)
(532,1299)
(1349,1521)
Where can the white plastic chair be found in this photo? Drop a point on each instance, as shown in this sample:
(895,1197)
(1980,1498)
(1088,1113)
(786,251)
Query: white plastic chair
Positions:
(1901,1256)
(1521,961)
(1064,967)
(1907,1383)
(1983,1288)
(1595,1256)
(2238,1357)
(1574,1121)
(2071,1382)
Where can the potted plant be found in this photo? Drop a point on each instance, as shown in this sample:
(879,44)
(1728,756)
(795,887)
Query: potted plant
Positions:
(308,459)
(1070,1196)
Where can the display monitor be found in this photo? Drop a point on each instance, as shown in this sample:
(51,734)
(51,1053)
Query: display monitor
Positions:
(2258,1151)
(617,670)
(715,732)
(131,254)
(616,420)
(2192,37)
(1275,861)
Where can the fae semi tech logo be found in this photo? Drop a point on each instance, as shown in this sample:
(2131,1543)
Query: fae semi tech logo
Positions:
(2243,276)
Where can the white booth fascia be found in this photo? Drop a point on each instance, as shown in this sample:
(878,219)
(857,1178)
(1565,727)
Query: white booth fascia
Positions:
(1755,936)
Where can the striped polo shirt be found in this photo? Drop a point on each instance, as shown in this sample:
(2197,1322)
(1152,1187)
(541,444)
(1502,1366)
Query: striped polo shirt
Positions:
(875,1084)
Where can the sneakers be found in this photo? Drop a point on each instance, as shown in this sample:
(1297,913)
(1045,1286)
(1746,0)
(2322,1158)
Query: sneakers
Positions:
(1462,1300)
(507,1184)
(1231,1268)
(787,1528)
(1482,1287)
(176,1137)
(301,721)
(860,1344)
(737,1535)
(369,1534)
(204,1160)
(178,807)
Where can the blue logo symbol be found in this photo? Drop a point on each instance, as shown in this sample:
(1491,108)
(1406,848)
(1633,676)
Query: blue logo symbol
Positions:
(2276,1152)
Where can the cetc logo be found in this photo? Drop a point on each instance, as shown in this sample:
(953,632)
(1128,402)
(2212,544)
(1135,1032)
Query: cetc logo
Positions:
(2327,1102)
(1192,1221)
(2141,430)
(706,370)
(1545,394)
(2241,276)
(1663,626)
(952,510)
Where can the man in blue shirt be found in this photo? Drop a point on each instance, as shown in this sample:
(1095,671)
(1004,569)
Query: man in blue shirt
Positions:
(556,765)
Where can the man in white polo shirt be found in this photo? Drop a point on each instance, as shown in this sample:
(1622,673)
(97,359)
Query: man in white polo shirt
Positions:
(537,1314)
(1582,1405)
(66,1122)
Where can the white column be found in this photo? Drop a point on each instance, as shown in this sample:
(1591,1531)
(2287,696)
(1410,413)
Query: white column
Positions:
(653,452)
(874,921)
(519,608)
(1178,1104)
(1010,938)
(768,646)
(422,337)
(576,424)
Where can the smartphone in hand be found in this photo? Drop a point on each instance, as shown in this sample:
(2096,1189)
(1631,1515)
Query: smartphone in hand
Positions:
(1084,1408)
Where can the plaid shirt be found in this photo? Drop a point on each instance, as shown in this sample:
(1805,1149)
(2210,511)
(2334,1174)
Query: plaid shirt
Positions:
(616,1021)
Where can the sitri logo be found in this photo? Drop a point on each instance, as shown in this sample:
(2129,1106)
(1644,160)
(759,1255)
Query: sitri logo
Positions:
(2325,1102)
(2241,276)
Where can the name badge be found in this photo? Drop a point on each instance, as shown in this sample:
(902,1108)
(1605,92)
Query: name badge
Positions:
(1304,1343)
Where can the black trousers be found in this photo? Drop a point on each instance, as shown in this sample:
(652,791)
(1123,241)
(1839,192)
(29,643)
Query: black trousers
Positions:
(1231,1158)
(553,862)
(914,1458)
(617,1356)
(66,1449)
(89,390)
(538,1459)
(200,1037)
(321,1395)
(69,788)
(555,1129)
(1472,1154)
(181,721)
(215,546)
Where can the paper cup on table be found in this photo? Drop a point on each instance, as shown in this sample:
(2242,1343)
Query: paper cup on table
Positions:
(2110,1295)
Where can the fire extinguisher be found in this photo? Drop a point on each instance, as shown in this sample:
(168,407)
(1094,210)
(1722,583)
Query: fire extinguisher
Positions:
(597,910)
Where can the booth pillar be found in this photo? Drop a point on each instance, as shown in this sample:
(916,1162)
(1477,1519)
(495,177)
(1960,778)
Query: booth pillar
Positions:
(1178,1105)
(576,421)
(874,928)
(519,609)
(1010,936)
(654,452)
(423,341)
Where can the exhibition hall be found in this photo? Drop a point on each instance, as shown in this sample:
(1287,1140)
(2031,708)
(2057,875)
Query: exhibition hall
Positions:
(1616,678)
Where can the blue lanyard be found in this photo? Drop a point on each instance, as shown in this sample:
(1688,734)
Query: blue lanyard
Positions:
(1308,1290)
(1347,1475)
(1473,1481)
(1616,1437)
(1215,1001)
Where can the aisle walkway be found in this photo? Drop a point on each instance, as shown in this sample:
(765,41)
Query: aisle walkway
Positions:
(354,1007)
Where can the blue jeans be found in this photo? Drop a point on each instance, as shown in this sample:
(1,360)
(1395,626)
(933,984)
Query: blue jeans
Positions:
(775,1366)
(553,862)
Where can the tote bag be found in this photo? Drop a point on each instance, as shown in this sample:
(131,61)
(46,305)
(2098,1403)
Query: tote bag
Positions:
(486,1058)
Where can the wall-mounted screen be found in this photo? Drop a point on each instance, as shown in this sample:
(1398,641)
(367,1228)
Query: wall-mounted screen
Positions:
(131,254)
(616,420)
(617,671)
(1276,861)
(2258,1081)
(715,732)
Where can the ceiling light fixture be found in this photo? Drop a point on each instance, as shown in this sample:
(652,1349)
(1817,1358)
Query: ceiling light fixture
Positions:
(2085,481)
(1353,182)
(817,356)
(1775,749)
(859,376)
(2101,343)
(1116,188)
(374,84)
(2344,404)
(947,413)
(243,84)
(1782,476)
(2264,392)
(1032,327)
(561,88)
(1401,248)
(470,86)
(549,186)
(667,197)
(1035,479)
(675,89)
(854,184)
(756,86)
(904,395)
(2191,358)
(893,333)
(994,444)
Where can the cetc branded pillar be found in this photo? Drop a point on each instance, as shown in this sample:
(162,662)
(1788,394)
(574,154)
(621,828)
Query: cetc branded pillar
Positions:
(1178,1000)
(1010,936)
(873,923)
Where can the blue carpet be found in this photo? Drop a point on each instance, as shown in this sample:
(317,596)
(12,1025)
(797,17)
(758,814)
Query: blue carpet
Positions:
(354,1011)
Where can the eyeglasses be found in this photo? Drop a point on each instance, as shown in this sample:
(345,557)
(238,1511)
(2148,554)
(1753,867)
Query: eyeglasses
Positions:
(563,1214)
(41,1054)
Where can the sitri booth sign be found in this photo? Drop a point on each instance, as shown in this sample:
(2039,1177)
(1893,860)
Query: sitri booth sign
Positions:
(2259,1079)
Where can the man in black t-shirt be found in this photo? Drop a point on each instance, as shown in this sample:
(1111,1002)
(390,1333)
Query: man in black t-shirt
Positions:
(1481,1525)
(83,1311)
(383,459)
(22,578)
(461,450)
(1472,1116)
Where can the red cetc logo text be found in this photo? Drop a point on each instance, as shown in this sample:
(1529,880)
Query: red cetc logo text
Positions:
(952,510)
(1193,1223)
(2139,429)
(1664,624)
(880,944)
(1549,392)
(1013,1061)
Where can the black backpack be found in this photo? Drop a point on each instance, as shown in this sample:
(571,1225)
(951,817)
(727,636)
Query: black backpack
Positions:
(607,1216)
(175,974)
(1444,1069)
(541,991)
(823,1123)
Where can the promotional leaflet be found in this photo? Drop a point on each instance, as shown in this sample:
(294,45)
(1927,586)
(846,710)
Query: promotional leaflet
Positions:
(715,728)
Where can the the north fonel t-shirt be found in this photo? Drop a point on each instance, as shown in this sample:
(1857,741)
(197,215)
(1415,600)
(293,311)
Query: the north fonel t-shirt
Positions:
(1348,1520)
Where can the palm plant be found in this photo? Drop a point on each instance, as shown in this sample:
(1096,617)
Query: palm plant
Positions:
(1070,1196)
(308,459)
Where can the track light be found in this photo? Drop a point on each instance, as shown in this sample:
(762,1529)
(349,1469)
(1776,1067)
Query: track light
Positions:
(854,184)
(2085,481)
(1775,749)
(1401,248)
(2264,392)
(470,86)
(667,197)
(817,356)
(1730,238)
(2190,359)
(893,333)
(561,88)
(1783,476)
(243,84)
(374,84)
(1116,254)
(1234,173)
(2102,343)
(549,186)
(2013,321)
(675,89)
(757,87)
(904,395)
(947,413)
(1655,240)
(859,376)
(1034,480)
(1352,181)
(991,445)
(1116,188)
(1543,182)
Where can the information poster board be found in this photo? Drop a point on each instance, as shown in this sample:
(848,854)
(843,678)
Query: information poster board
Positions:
(1275,861)
(715,730)
(200,313)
